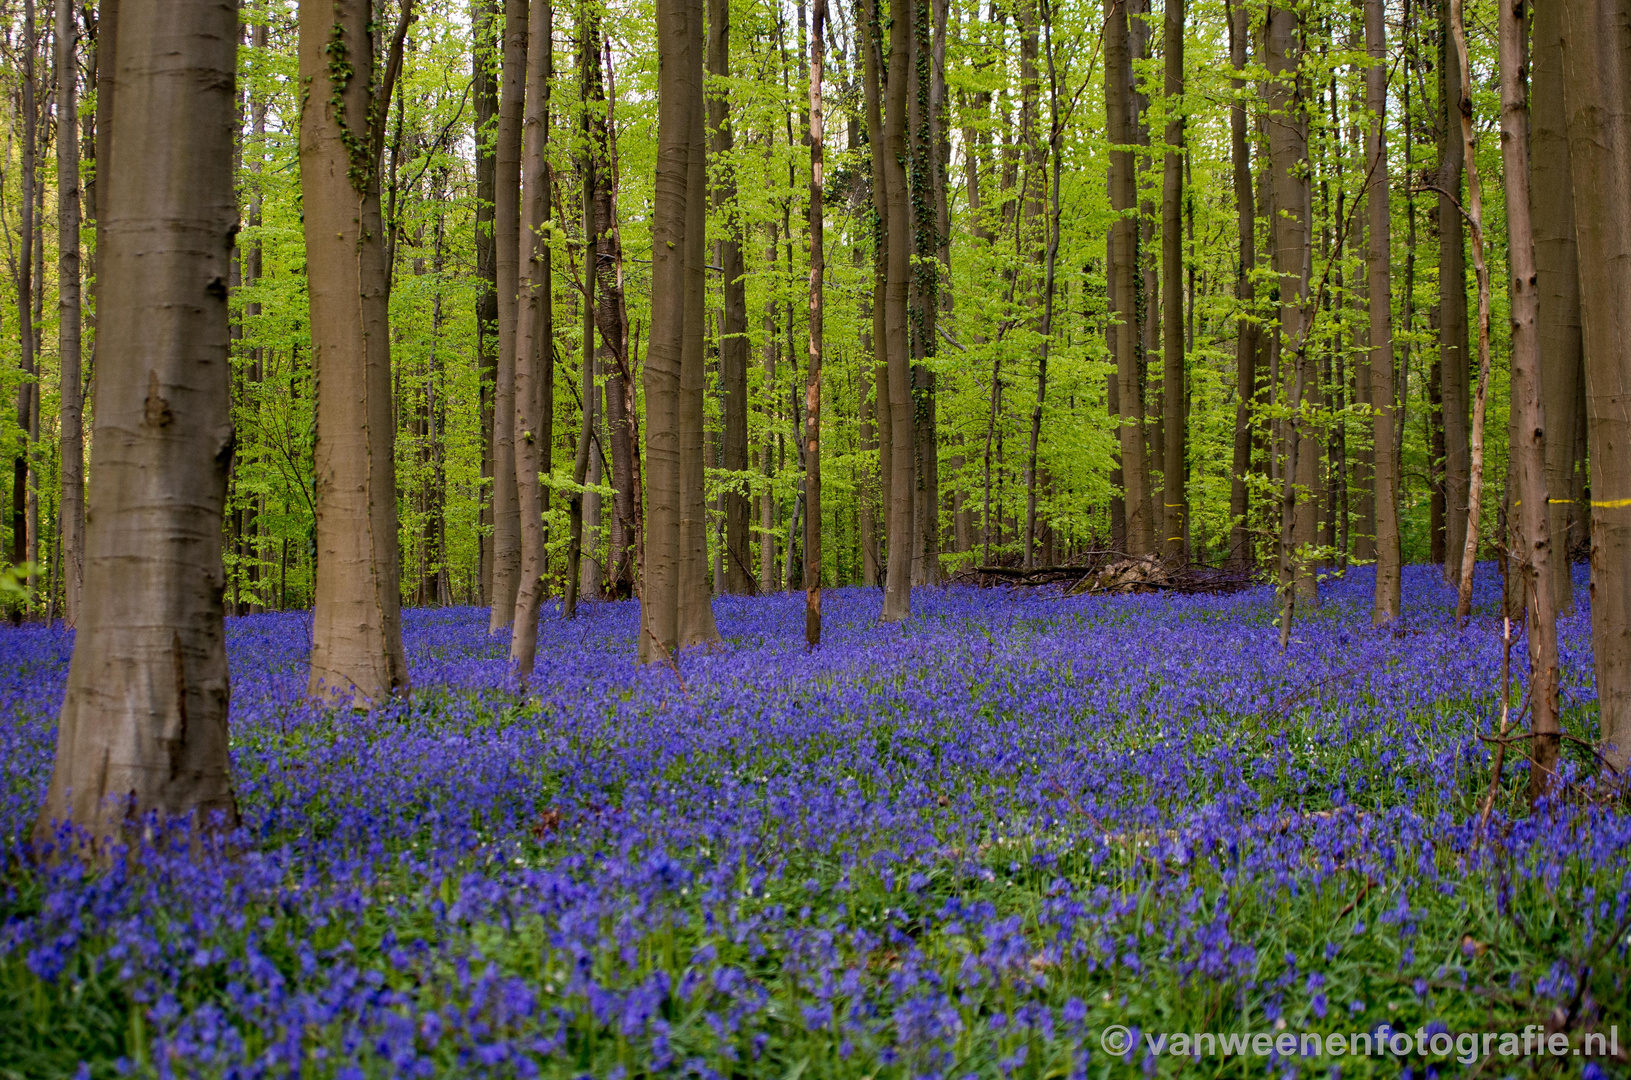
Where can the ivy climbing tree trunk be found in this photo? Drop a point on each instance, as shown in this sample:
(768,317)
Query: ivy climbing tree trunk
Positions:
(143,727)
(356,620)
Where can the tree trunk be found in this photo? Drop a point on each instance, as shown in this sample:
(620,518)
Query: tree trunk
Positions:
(1597,85)
(28,325)
(733,323)
(1529,448)
(1557,268)
(1135,470)
(812,392)
(143,727)
(1175,516)
(872,74)
(612,318)
(1240,537)
(1452,286)
(534,340)
(588,73)
(507,240)
(1384,413)
(674,603)
(1288,147)
(484,21)
(1475,219)
(356,628)
(924,184)
(71,512)
(897,603)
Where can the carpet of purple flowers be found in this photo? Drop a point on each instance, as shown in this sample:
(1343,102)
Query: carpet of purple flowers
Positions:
(961,846)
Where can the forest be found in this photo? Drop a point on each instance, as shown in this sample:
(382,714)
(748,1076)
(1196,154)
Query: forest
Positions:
(791,539)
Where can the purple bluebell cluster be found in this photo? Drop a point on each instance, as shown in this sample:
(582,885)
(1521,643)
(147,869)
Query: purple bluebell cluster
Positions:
(962,846)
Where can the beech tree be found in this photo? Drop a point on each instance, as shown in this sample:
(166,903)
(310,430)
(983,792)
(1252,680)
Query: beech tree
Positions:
(534,339)
(357,625)
(675,611)
(143,727)
(71,440)
(1597,88)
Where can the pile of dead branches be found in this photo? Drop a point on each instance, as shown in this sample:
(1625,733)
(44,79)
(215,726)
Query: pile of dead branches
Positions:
(1114,572)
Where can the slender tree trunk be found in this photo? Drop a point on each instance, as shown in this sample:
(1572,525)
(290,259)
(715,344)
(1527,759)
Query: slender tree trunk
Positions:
(1135,470)
(507,241)
(1597,87)
(924,181)
(897,603)
(1240,537)
(28,325)
(1529,449)
(733,324)
(356,630)
(812,392)
(1557,265)
(593,164)
(1175,516)
(534,341)
(1283,95)
(590,568)
(1384,413)
(1452,283)
(872,72)
(1475,219)
(71,510)
(485,19)
(143,727)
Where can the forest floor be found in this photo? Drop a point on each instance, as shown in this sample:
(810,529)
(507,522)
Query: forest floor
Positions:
(972,844)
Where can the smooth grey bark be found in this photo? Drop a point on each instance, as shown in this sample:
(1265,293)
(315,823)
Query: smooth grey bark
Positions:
(1597,89)
(897,603)
(507,245)
(534,341)
(143,727)
(1385,605)
(1557,267)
